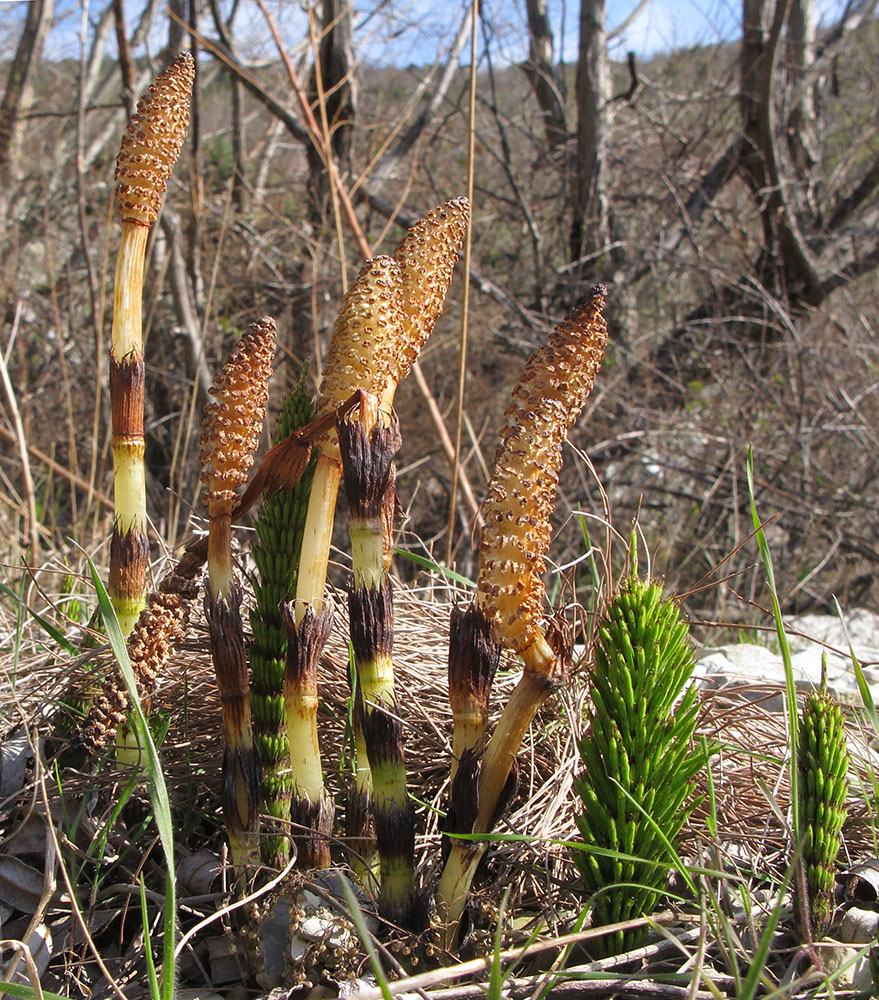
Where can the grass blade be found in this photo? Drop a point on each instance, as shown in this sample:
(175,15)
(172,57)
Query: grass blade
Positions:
(54,633)
(357,917)
(784,646)
(158,789)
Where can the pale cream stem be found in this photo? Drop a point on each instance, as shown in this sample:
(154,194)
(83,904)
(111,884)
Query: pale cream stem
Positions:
(317,535)
(127,336)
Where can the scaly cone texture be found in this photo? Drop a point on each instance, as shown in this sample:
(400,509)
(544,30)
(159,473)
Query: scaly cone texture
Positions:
(639,767)
(276,557)
(823,787)
(553,389)
(521,494)
(150,148)
(231,427)
(151,646)
(368,444)
(427,255)
(362,355)
(384,322)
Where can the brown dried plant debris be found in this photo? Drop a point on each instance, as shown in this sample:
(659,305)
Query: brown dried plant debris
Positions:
(152,142)
(160,630)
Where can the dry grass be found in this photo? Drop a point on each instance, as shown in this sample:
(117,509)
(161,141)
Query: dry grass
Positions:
(749,779)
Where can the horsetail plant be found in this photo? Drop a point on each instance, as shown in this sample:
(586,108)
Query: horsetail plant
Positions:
(426,255)
(278,530)
(149,150)
(639,766)
(823,763)
(385,320)
(362,355)
(311,805)
(360,839)
(368,442)
(553,389)
(232,424)
(375,341)
(474,655)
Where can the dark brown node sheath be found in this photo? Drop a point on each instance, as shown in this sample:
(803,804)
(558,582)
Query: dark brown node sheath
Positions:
(371,618)
(474,656)
(367,458)
(359,808)
(127,389)
(367,447)
(241,766)
(371,613)
(129,544)
(129,560)
(312,809)
(463,808)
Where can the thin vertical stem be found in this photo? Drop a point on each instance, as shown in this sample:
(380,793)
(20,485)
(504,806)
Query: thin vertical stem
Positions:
(465,294)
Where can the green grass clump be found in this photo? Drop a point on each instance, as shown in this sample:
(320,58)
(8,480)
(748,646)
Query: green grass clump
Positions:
(639,763)
(823,786)
(276,556)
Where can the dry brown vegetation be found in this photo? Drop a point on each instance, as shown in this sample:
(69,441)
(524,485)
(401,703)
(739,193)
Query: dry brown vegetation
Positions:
(708,354)
(692,377)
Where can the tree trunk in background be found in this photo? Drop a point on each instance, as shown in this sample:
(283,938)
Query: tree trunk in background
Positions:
(393,164)
(751,67)
(787,267)
(193,229)
(240,194)
(239,182)
(126,63)
(19,94)
(590,229)
(332,83)
(176,28)
(545,80)
(802,141)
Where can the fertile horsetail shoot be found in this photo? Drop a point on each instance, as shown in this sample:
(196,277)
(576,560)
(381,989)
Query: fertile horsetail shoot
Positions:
(150,148)
(231,427)
(510,593)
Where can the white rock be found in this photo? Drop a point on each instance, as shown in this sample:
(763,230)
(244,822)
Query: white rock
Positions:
(862,626)
(859,926)
(751,664)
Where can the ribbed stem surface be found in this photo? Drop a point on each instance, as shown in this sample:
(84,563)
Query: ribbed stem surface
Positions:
(276,555)
(129,547)
(367,447)
(317,535)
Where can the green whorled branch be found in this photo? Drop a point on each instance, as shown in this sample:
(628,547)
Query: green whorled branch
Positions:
(276,557)
(639,765)
(823,764)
